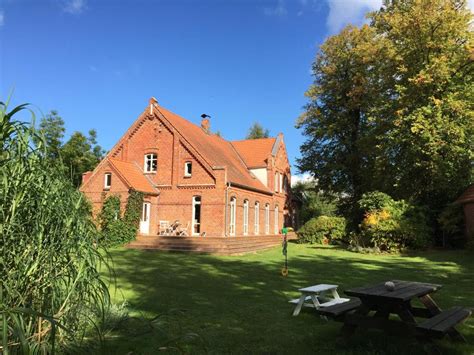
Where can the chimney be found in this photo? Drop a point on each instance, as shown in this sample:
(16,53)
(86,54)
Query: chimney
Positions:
(86,176)
(151,102)
(205,123)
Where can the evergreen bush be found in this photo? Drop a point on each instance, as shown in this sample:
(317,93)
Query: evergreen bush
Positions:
(319,228)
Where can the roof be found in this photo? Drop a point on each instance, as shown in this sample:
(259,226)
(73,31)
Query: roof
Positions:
(216,151)
(255,152)
(132,176)
(467,195)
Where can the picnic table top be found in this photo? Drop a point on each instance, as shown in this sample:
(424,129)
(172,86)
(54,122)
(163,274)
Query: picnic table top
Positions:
(404,291)
(318,288)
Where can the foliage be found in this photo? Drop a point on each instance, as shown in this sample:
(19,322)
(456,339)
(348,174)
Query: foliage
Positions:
(392,106)
(49,262)
(118,230)
(340,120)
(81,154)
(51,127)
(393,225)
(257,131)
(133,209)
(314,203)
(318,228)
(451,221)
(430,139)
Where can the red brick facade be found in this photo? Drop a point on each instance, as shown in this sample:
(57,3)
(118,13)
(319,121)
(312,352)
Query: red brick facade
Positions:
(220,173)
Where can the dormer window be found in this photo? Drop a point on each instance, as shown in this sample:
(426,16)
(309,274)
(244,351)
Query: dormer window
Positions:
(151,163)
(188,169)
(107,180)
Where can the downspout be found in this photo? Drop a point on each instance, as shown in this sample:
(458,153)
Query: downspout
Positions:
(225,208)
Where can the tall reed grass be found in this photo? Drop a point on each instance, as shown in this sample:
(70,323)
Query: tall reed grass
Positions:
(50,287)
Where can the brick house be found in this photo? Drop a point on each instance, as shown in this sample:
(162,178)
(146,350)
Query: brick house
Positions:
(214,187)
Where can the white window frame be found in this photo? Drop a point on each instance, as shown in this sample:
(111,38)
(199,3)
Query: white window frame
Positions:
(150,157)
(275,183)
(232,212)
(107,184)
(256,218)
(281,183)
(246,217)
(186,173)
(193,222)
(276,229)
(267,219)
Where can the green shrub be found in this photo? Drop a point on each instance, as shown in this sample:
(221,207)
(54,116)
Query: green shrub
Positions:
(316,229)
(393,225)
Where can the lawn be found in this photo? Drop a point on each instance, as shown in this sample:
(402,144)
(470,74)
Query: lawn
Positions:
(238,304)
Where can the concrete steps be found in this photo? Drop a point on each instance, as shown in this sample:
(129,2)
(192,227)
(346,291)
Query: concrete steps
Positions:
(211,245)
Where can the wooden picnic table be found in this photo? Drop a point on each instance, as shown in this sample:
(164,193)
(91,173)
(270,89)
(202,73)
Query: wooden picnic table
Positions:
(374,304)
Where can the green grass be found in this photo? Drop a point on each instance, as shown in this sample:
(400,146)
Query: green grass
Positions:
(239,304)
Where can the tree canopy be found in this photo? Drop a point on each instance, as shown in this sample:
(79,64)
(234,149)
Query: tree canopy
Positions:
(391,105)
(78,154)
(257,131)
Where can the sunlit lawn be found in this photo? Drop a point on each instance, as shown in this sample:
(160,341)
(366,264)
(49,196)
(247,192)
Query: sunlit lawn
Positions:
(239,304)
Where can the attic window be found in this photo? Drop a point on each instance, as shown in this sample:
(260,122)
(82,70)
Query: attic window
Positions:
(107,180)
(188,169)
(151,163)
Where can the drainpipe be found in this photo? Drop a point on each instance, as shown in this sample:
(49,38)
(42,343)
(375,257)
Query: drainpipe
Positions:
(225,208)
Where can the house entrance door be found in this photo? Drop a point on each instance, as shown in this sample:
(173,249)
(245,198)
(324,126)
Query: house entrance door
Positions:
(145,219)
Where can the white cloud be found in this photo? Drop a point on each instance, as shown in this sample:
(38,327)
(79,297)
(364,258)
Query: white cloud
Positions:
(300,178)
(470,5)
(278,10)
(75,7)
(2,18)
(344,12)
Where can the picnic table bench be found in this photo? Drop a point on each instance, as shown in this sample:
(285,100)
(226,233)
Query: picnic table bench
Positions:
(316,297)
(373,305)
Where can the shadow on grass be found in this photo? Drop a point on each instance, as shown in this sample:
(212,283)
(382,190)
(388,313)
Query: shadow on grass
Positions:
(240,304)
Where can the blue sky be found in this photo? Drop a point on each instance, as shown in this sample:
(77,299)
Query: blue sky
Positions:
(98,62)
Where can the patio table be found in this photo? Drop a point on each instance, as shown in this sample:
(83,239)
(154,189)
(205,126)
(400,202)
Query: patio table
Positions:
(382,302)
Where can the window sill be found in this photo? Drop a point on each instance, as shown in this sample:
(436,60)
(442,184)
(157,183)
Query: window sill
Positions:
(187,176)
(149,172)
(106,188)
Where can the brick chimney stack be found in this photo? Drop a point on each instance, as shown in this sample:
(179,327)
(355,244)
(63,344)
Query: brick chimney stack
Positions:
(205,123)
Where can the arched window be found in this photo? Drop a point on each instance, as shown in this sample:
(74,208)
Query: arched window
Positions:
(256,219)
(267,218)
(151,163)
(233,203)
(246,217)
(276,230)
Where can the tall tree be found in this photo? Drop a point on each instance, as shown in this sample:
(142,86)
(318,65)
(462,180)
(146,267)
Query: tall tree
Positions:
(81,154)
(52,129)
(431,137)
(341,120)
(391,107)
(257,131)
